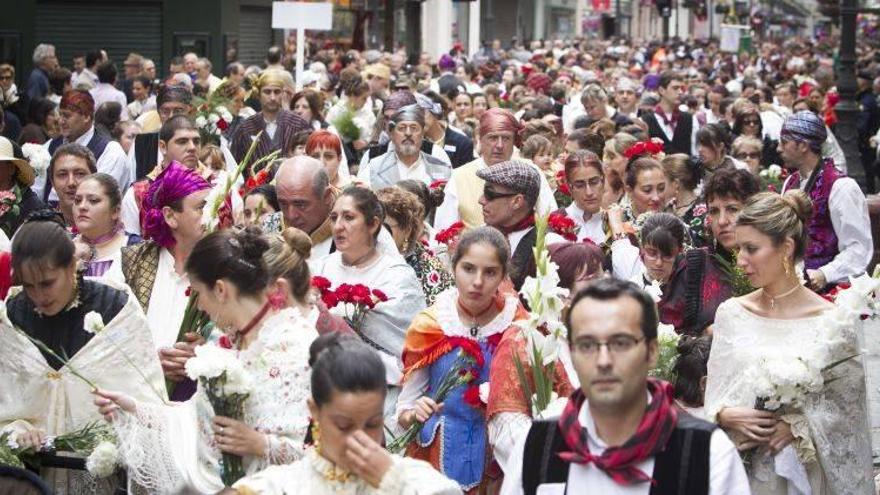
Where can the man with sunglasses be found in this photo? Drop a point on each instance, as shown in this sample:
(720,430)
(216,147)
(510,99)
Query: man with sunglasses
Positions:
(621,432)
(510,193)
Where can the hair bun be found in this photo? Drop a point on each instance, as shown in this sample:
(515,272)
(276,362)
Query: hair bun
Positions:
(298,241)
(253,244)
(798,201)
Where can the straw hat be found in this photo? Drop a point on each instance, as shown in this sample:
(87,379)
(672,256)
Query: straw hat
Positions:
(24,172)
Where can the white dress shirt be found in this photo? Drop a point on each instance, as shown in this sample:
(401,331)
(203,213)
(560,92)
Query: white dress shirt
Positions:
(591,229)
(103,92)
(852,225)
(112,161)
(168,298)
(447,213)
(670,131)
(726,472)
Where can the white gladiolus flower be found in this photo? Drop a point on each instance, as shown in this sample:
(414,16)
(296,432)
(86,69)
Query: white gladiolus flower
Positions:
(93,323)
(102,462)
(655,291)
(210,219)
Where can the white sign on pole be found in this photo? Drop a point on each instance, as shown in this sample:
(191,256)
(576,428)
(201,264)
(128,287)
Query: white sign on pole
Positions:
(730,36)
(302,16)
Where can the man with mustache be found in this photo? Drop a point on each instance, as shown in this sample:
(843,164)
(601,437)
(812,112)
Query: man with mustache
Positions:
(406,160)
(621,431)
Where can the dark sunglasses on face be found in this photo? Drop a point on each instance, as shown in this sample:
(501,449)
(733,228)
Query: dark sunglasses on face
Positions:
(747,156)
(751,122)
(492,195)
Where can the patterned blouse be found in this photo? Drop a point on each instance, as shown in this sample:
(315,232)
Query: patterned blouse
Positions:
(435,278)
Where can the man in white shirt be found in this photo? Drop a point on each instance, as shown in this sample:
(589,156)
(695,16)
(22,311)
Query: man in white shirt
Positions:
(88,78)
(621,432)
(406,161)
(106,89)
(77,110)
(840,244)
(155,269)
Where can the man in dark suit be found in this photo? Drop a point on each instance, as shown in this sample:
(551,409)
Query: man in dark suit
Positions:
(457,146)
(677,129)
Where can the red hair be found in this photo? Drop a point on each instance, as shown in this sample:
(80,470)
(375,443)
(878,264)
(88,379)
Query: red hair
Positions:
(323,139)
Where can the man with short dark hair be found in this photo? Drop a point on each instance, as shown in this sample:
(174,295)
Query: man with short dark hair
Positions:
(621,431)
(677,129)
(235,72)
(88,78)
(106,90)
(77,111)
(70,164)
(273,58)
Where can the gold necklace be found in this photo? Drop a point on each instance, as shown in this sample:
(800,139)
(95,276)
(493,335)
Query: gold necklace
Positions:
(780,296)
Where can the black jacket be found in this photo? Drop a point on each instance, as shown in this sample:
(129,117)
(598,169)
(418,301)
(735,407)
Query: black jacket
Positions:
(459,147)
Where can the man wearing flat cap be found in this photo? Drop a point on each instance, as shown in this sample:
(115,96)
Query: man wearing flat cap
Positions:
(500,133)
(839,229)
(510,194)
(77,109)
(406,160)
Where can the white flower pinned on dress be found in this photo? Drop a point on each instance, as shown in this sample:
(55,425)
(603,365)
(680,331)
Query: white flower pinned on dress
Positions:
(102,462)
(93,323)
(37,156)
(655,291)
(484,392)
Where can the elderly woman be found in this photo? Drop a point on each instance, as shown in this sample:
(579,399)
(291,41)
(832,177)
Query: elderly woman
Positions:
(96,212)
(404,216)
(749,150)
(747,122)
(17,200)
(356,219)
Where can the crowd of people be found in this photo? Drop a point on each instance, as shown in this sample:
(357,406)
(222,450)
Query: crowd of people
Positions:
(680,185)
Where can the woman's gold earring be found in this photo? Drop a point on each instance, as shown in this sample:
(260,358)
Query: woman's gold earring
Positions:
(787,267)
(316,435)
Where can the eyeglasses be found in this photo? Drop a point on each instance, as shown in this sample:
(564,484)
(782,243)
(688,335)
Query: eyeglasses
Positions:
(749,156)
(616,345)
(751,122)
(491,195)
(5,78)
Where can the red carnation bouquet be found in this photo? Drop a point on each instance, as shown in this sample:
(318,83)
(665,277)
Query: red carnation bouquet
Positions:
(450,234)
(357,299)
(650,147)
(563,225)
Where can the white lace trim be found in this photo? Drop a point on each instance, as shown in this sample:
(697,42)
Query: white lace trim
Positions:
(447,317)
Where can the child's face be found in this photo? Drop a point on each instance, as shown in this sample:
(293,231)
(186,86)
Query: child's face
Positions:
(543,158)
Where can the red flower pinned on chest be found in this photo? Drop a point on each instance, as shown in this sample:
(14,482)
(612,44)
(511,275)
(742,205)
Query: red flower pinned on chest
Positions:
(563,225)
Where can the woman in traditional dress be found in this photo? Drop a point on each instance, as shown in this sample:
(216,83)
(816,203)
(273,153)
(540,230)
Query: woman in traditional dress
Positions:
(685,175)
(468,320)
(822,446)
(614,167)
(356,219)
(174,448)
(404,217)
(101,235)
(347,395)
(726,191)
(647,188)
(42,395)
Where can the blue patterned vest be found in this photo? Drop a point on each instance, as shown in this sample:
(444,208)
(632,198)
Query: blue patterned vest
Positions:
(462,428)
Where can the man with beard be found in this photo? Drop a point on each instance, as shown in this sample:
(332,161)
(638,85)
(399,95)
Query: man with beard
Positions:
(278,125)
(406,160)
(499,134)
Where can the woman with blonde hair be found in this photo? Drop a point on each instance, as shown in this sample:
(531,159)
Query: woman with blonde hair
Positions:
(614,163)
(819,445)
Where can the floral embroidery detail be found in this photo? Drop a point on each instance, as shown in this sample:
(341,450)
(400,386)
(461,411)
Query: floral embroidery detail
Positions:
(274,372)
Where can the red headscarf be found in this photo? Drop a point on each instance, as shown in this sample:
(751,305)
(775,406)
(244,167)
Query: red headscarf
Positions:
(499,119)
(79,101)
(539,82)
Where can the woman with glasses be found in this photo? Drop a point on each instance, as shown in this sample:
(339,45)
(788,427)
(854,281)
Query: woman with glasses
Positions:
(747,122)
(586,181)
(821,443)
(749,150)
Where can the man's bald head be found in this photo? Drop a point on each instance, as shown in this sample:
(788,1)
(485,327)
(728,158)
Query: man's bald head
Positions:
(304,194)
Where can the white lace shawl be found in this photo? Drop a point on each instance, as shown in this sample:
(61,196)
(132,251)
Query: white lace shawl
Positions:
(169,449)
(405,477)
(835,421)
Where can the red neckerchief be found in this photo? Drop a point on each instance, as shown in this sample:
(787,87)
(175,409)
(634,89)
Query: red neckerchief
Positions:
(523,224)
(670,121)
(620,462)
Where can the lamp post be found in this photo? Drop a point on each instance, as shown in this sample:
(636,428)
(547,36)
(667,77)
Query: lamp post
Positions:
(847,108)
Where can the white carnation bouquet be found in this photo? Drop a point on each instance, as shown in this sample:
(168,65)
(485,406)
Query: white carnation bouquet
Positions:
(227,385)
(37,156)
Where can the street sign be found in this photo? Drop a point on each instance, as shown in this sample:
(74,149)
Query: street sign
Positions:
(301,16)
